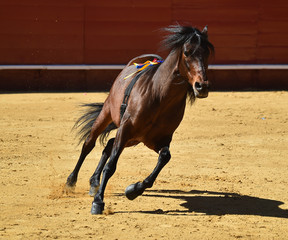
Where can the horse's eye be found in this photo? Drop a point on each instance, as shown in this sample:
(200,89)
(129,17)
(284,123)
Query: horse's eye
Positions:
(186,53)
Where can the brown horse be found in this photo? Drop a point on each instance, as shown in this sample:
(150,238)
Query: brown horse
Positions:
(151,110)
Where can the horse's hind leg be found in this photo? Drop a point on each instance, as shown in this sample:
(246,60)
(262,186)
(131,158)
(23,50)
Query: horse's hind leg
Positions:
(136,189)
(86,149)
(102,121)
(95,179)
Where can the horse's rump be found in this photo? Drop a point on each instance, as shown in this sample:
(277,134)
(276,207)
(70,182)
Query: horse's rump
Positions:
(86,121)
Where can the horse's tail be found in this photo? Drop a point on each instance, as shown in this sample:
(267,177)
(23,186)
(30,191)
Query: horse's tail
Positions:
(85,122)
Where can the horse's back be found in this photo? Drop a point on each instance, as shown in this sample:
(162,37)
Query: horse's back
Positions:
(117,90)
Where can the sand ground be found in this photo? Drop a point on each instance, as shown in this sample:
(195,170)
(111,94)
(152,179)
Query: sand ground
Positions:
(227,178)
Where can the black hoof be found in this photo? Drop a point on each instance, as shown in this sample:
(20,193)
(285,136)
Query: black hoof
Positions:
(70,185)
(93,190)
(71,181)
(97,208)
(134,190)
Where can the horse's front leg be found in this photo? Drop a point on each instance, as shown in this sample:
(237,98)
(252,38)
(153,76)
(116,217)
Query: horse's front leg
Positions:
(95,179)
(109,170)
(136,189)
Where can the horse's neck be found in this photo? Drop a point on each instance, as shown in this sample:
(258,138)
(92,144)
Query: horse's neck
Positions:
(166,82)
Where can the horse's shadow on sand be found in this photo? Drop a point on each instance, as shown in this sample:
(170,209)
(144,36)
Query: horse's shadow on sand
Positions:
(217,203)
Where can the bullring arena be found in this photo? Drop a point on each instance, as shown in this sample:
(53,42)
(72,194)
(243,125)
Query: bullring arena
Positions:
(227,178)
(228,174)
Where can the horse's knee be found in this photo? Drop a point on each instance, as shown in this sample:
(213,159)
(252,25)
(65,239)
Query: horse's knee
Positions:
(165,155)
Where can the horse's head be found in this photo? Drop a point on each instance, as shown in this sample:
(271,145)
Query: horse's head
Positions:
(193,62)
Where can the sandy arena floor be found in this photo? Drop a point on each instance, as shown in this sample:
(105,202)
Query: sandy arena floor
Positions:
(227,179)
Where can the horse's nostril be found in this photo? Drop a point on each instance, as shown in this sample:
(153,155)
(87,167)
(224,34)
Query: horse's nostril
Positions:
(198,86)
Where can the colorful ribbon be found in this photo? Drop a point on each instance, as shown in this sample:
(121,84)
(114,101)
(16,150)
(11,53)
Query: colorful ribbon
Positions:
(142,66)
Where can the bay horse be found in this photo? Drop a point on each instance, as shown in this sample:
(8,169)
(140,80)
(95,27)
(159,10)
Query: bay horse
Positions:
(150,112)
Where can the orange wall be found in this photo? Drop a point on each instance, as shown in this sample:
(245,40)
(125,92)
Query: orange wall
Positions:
(114,31)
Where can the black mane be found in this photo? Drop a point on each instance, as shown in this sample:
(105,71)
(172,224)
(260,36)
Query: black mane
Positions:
(179,35)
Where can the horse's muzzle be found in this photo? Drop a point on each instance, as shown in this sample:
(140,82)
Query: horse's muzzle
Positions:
(201,89)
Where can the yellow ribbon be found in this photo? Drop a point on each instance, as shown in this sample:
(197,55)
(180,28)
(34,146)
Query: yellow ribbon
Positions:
(145,65)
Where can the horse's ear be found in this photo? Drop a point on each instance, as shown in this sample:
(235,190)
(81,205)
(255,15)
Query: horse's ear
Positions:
(205,30)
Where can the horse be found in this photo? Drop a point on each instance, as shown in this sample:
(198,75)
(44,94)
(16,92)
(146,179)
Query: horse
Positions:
(147,111)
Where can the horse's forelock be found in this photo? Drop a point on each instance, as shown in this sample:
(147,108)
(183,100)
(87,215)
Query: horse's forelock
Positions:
(179,35)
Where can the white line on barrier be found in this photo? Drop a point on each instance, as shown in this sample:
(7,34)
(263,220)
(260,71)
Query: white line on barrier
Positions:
(119,67)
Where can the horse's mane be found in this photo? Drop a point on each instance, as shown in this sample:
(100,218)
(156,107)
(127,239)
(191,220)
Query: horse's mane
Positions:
(179,35)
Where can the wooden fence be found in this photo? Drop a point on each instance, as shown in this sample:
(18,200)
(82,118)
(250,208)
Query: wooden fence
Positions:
(70,32)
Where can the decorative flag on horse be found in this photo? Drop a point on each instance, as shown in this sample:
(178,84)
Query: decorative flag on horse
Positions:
(142,66)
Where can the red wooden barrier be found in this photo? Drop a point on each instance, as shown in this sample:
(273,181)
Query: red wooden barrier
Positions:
(113,32)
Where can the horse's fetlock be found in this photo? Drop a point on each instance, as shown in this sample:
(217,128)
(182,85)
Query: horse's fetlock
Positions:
(98,199)
(94,182)
(148,184)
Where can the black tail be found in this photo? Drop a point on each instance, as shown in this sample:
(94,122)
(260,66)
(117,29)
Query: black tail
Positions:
(85,122)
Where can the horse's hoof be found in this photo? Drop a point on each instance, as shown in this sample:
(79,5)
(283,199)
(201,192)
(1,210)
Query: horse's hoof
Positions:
(69,188)
(70,185)
(133,191)
(71,180)
(93,190)
(97,208)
